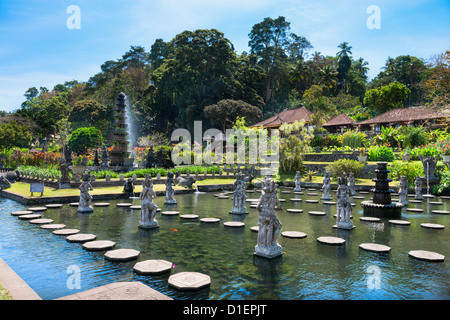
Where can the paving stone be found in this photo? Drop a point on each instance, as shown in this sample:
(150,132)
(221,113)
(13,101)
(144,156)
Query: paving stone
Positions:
(81,237)
(415,201)
(294,210)
(312,193)
(234,224)
(30,216)
(254,228)
(358,197)
(298,192)
(296,200)
(426,255)
(74,204)
(54,205)
(316,213)
(135,207)
(189,281)
(21,213)
(370,219)
(440,212)
(286,192)
(414,210)
(41,221)
(189,216)
(312,201)
(294,234)
(427,196)
(223,197)
(374,247)
(124,205)
(209,220)
(53,226)
(101,204)
(66,232)
(98,245)
(436,203)
(400,222)
(152,267)
(334,241)
(37,209)
(329,202)
(122,254)
(170,213)
(432,225)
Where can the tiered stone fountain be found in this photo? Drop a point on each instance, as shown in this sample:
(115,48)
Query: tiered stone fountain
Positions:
(120,152)
(381,204)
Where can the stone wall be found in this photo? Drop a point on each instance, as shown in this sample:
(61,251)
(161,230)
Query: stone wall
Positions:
(329,157)
(367,172)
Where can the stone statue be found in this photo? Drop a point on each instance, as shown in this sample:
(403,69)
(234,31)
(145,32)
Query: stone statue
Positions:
(104,156)
(429,165)
(351,184)
(185,182)
(4,183)
(269,225)
(344,206)
(169,189)
(239,196)
(96,162)
(326,186)
(85,198)
(403,190)
(418,188)
(148,208)
(64,183)
(151,163)
(128,187)
(68,155)
(298,177)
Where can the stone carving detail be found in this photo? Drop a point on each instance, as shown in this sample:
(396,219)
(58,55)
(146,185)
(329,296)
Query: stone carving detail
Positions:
(403,190)
(148,208)
(326,186)
(418,188)
(297,182)
(84,204)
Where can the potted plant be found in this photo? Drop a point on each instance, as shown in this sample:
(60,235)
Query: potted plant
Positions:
(362,155)
(445,149)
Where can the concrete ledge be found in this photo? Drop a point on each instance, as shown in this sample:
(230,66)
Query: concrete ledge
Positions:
(17,288)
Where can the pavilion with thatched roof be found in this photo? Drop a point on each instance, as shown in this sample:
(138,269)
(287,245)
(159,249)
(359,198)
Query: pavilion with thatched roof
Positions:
(339,123)
(286,116)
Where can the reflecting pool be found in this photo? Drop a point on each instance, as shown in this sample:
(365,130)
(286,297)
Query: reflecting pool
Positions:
(307,269)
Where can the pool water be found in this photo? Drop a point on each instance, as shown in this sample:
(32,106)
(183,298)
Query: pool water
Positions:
(306,270)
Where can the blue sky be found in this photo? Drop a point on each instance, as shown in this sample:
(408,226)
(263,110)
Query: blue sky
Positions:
(37,49)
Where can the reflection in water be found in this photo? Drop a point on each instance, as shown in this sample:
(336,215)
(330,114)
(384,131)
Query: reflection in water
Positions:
(307,269)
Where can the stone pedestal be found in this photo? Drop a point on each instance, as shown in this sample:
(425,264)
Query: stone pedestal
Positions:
(149,224)
(85,209)
(64,185)
(268,252)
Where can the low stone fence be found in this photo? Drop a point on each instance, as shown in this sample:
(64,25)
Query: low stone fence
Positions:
(367,172)
(329,157)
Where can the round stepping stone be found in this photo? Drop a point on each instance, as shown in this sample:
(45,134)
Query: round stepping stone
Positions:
(122,254)
(189,281)
(363,192)
(333,241)
(209,220)
(37,209)
(41,221)
(21,213)
(101,204)
(98,245)
(81,237)
(415,201)
(294,234)
(170,213)
(124,205)
(74,204)
(329,202)
(152,267)
(282,200)
(298,192)
(312,189)
(251,200)
(254,206)
(223,197)
(427,196)
(432,225)
(312,201)
(436,203)
(53,226)
(286,192)
(66,232)
(254,228)
(400,222)
(189,216)
(414,210)
(312,194)
(374,247)
(296,200)
(426,255)
(440,212)
(234,224)
(358,197)
(30,216)
(53,205)
(294,210)
(316,213)
(370,219)
(135,207)
(444,197)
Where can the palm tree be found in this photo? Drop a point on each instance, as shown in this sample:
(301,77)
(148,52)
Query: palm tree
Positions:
(328,77)
(298,73)
(345,50)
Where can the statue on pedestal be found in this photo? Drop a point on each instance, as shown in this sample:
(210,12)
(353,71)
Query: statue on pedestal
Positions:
(351,184)
(297,182)
(104,156)
(269,225)
(148,208)
(239,196)
(344,206)
(151,163)
(403,190)
(84,204)
(64,183)
(418,188)
(326,186)
(169,189)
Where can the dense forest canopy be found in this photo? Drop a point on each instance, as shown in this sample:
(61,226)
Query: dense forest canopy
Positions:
(198,74)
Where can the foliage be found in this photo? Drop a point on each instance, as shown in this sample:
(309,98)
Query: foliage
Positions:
(354,139)
(444,183)
(84,138)
(25,158)
(386,97)
(429,150)
(381,153)
(414,136)
(226,111)
(409,169)
(13,134)
(345,165)
(294,142)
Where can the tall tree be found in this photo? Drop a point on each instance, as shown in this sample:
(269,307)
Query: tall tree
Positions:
(344,65)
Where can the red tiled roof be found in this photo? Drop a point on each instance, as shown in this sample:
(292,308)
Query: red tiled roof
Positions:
(405,115)
(286,116)
(340,120)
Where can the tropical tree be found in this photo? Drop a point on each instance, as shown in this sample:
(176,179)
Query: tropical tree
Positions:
(328,77)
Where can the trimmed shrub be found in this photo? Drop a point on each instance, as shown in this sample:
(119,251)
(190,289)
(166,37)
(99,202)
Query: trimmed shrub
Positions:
(381,153)
(345,165)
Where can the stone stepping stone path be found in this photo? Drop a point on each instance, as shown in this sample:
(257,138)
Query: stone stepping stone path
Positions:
(209,220)
(30,216)
(170,213)
(223,197)
(432,225)
(41,221)
(74,204)
(298,192)
(123,205)
(81,237)
(66,232)
(234,224)
(189,216)
(254,206)
(329,202)
(286,192)
(312,193)
(294,210)
(37,209)
(54,206)
(101,204)
(444,197)
(414,210)
(370,219)
(296,200)
(436,203)
(358,197)
(363,192)
(316,213)
(189,281)
(254,228)
(312,201)
(98,245)
(440,212)
(21,213)
(53,226)
(415,201)
(135,207)
(426,255)
(294,234)
(427,196)
(400,222)
(332,241)
(374,247)
(122,255)
(252,200)
(153,267)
